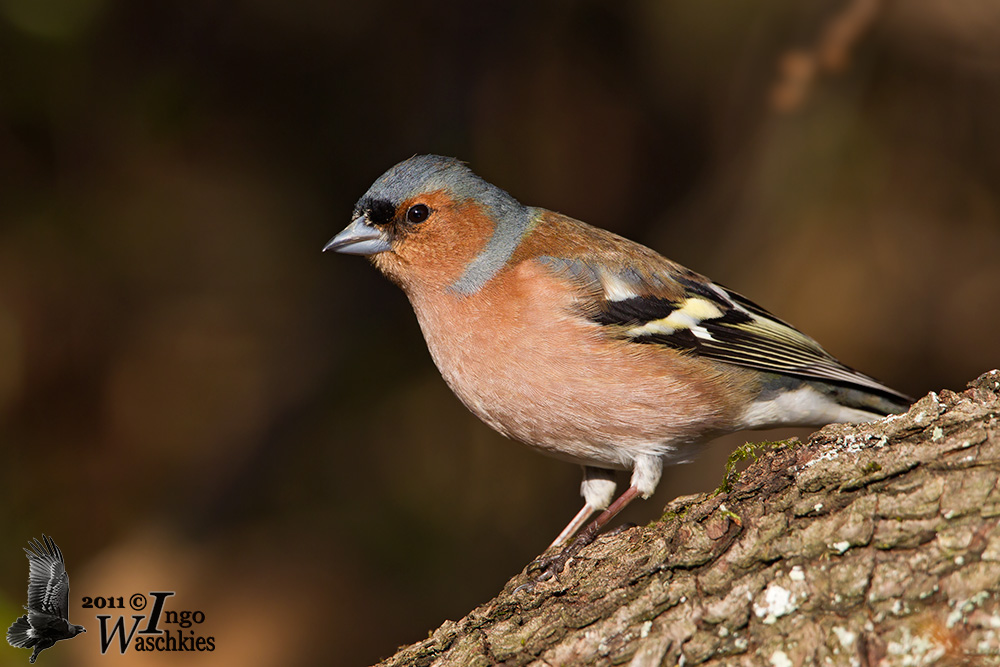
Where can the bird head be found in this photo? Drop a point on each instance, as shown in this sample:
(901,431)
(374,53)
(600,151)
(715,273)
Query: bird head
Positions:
(76,629)
(431,222)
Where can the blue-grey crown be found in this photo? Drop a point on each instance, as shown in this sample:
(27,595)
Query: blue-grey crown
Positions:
(428,173)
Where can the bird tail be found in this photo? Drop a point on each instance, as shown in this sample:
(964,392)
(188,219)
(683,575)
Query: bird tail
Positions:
(876,402)
(787,400)
(18,634)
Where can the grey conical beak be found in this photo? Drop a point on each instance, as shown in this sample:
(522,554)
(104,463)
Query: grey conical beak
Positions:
(359,238)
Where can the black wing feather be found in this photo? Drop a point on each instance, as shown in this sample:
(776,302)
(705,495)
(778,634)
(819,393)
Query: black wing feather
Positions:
(738,332)
(48,583)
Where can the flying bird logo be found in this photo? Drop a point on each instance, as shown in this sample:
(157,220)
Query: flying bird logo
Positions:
(48,597)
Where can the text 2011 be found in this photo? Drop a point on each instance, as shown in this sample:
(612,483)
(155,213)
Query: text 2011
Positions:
(103,603)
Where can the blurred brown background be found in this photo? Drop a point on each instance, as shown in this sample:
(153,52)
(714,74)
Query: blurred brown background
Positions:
(194,398)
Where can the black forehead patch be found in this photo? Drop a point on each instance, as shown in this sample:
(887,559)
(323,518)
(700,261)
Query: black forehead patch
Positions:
(379,211)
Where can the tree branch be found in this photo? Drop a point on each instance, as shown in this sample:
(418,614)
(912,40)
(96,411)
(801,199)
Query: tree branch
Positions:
(866,545)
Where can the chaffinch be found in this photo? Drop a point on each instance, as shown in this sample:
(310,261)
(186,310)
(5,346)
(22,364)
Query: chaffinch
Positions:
(583,344)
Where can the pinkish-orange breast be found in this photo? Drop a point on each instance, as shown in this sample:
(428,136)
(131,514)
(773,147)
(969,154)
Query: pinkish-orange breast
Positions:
(519,356)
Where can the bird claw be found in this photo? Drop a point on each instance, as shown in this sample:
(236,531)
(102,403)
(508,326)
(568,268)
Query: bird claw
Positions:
(548,567)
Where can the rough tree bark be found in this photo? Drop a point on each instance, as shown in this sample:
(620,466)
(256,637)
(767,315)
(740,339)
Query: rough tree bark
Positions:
(871,545)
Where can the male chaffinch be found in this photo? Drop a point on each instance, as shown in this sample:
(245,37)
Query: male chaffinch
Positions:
(583,344)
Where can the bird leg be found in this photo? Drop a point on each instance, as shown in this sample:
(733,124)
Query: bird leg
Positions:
(598,490)
(551,566)
(576,524)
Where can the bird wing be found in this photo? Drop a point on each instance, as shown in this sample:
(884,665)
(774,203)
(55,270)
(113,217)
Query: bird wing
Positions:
(48,583)
(658,302)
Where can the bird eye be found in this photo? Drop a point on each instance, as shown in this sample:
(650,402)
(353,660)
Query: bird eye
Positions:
(417,213)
